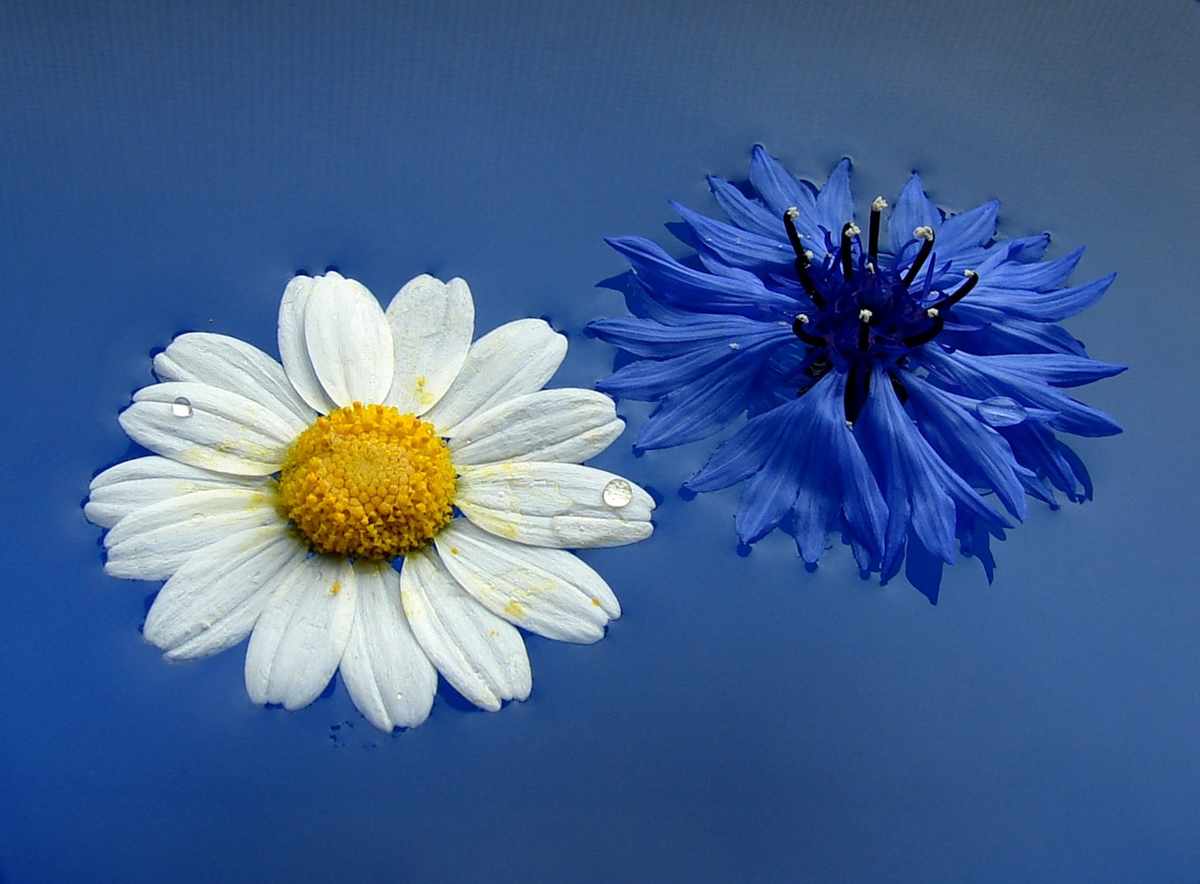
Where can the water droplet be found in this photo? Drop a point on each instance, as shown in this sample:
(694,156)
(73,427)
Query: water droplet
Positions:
(1000,411)
(181,407)
(399,696)
(617,493)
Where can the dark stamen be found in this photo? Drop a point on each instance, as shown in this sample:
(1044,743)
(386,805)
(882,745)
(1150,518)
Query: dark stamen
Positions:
(877,208)
(901,392)
(961,292)
(925,234)
(799,330)
(849,231)
(802,259)
(789,223)
(930,333)
(864,328)
(858,387)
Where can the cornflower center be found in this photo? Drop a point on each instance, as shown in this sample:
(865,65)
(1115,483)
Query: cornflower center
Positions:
(369,482)
(870,313)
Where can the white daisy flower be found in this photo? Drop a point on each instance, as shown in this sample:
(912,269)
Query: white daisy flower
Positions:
(281,496)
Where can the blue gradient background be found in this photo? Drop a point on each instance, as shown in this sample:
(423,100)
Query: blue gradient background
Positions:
(166,167)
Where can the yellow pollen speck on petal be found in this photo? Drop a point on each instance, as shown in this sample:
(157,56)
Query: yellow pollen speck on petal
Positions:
(454,550)
(369,482)
(422,393)
(335,589)
(514,609)
(596,602)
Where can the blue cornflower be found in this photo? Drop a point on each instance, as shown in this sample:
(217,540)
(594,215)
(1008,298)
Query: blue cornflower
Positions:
(891,386)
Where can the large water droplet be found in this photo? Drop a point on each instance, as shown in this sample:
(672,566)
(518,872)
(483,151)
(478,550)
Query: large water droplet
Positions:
(1000,411)
(617,493)
(181,407)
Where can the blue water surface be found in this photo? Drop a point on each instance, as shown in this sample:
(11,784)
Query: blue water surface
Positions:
(166,167)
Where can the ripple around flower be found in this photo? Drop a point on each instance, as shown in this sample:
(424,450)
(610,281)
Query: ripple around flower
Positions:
(891,385)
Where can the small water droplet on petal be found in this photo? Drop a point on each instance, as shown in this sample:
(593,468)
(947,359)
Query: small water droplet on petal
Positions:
(181,407)
(617,493)
(1000,411)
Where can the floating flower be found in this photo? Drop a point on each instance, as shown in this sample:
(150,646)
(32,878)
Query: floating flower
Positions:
(281,500)
(889,384)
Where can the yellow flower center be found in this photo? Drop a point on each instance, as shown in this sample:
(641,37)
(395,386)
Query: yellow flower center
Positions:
(368,481)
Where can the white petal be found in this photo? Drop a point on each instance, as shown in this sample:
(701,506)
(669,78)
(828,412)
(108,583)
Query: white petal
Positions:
(507,362)
(432,324)
(388,676)
(299,639)
(154,542)
(480,655)
(212,601)
(566,425)
(210,428)
(133,484)
(551,504)
(547,591)
(292,349)
(234,365)
(348,339)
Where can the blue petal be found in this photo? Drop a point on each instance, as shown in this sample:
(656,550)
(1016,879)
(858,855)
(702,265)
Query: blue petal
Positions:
(771,492)
(691,413)
(836,480)
(652,379)
(1024,379)
(912,210)
(1010,336)
(777,187)
(834,204)
(996,303)
(743,454)
(646,337)
(1037,448)
(744,212)
(1056,369)
(974,450)
(1027,248)
(1039,277)
(967,231)
(706,404)
(694,289)
(649,380)
(920,488)
(741,248)
(781,191)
